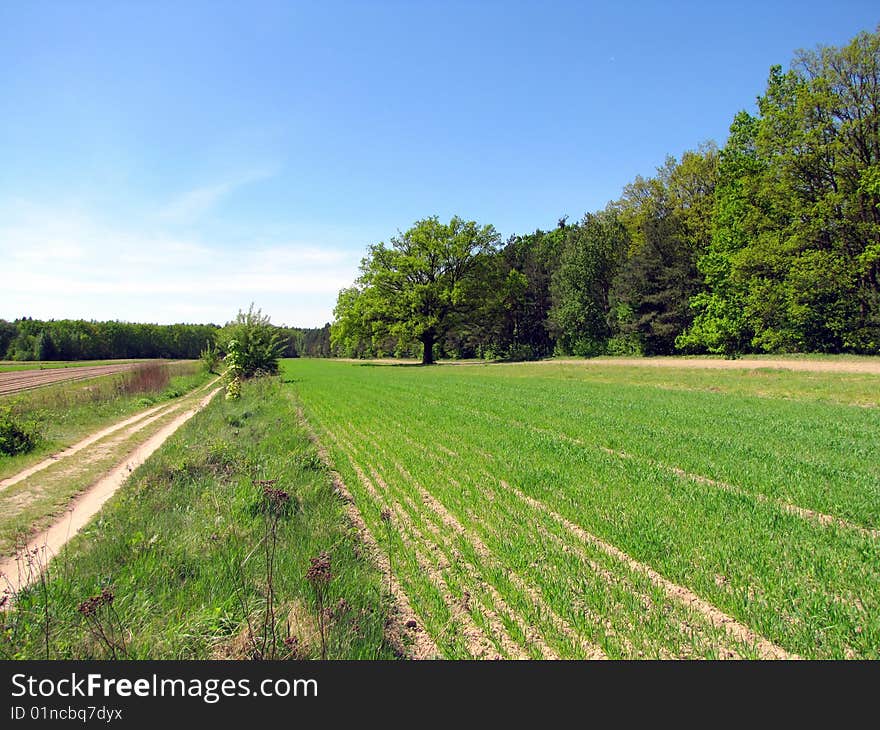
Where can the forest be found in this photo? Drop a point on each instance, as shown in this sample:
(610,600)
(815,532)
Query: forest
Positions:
(77,339)
(768,244)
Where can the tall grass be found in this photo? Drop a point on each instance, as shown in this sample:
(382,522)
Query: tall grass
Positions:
(150,377)
(206,553)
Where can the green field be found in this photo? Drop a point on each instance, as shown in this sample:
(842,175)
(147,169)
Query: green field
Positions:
(559,510)
(536,510)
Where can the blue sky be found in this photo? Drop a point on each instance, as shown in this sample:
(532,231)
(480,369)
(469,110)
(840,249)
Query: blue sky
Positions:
(175,161)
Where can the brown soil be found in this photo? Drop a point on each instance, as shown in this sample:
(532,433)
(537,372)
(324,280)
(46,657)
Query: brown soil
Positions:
(18,380)
(871,367)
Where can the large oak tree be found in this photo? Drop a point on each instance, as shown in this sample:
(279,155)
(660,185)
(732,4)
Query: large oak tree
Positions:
(418,286)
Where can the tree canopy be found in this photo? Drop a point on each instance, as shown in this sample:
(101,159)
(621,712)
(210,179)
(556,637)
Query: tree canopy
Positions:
(769,244)
(415,289)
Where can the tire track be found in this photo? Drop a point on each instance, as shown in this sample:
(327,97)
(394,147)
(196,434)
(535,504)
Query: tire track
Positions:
(478,643)
(475,574)
(610,578)
(89,503)
(97,436)
(589,650)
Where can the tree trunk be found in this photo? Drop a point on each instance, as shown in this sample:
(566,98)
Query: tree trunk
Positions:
(428,352)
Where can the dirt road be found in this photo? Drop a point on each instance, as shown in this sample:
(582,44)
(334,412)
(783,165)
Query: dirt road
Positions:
(23,568)
(18,380)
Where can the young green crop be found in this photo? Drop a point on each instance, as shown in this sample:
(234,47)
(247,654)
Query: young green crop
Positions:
(518,456)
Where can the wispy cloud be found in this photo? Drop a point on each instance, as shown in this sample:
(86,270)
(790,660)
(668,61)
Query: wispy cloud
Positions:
(193,204)
(64,263)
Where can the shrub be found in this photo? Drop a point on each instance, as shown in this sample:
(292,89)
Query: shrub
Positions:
(211,358)
(17,437)
(520,352)
(252,345)
(625,345)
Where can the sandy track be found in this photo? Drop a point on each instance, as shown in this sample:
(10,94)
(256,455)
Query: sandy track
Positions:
(868,366)
(137,419)
(81,510)
(19,380)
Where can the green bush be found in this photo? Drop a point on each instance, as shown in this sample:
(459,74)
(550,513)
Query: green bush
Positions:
(211,359)
(16,437)
(625,345)
(252,345)
(520,352)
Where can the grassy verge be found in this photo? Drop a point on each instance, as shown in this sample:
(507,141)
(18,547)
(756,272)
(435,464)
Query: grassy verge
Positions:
(181,552)
(67,412)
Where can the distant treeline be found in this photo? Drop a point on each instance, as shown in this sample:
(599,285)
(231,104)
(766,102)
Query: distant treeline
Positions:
(77,339)
(770,244)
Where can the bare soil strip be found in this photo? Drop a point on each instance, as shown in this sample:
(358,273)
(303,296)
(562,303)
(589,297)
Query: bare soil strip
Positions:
(442,541)
(403,629)
(738,631)
(479,644)
(808,514)
(19,380)
(89,503)
(868,366)
(160,410)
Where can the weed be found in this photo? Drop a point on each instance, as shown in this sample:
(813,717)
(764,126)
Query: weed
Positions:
(275,506)
(104,623)
(385,516)
(148,377)
(319,576)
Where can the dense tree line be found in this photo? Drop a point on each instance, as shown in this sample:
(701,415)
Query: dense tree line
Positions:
(76,339)
(769,244)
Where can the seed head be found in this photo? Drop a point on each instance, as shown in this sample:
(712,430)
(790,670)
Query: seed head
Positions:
(319,572)
(276,499)
(90,606)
